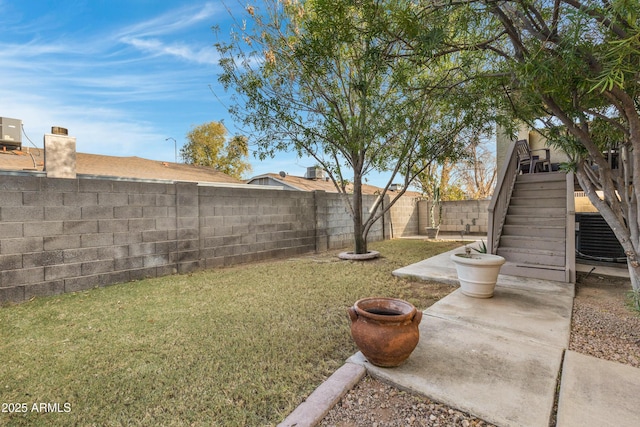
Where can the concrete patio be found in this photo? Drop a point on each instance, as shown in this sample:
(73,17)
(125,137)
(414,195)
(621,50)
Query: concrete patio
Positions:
(500,359)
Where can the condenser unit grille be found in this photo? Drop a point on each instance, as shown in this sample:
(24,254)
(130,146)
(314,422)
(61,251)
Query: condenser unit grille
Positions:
(596,240)
(10,133)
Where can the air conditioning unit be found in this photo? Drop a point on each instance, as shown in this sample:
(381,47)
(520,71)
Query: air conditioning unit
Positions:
(315,173)
(11,133)
(595,239)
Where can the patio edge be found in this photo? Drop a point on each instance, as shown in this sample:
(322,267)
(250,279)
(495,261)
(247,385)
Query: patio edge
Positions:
(310,412)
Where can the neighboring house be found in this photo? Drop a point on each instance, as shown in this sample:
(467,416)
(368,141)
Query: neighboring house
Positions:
(539,221)
(314,180)
(118,167)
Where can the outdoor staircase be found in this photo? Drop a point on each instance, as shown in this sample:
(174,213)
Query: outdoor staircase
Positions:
(533,238)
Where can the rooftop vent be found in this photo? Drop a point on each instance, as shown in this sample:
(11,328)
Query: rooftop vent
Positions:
(11,133)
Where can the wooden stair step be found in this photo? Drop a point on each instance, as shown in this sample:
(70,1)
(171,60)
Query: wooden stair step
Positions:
(536,202)
(538,257)
(542,193)
(529,242)
(541,186)
(544,177)
(555,181)
(535,271)
(552,252)
(557,220)
(543,211)
(556,231)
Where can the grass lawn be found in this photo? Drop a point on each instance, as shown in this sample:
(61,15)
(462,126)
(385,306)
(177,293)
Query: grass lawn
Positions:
(239,346)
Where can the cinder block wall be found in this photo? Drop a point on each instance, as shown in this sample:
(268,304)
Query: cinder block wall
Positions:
(339,224)
(405,217)
(469,215)
(243,225)
(66,235)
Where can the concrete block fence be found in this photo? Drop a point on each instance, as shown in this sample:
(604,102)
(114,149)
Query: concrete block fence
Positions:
(472,216)
(64,235)
(405,217)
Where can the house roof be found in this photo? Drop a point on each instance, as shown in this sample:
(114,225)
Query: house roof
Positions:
(305,184)
(125,167)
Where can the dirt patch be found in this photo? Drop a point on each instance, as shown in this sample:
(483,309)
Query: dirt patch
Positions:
(593,285)
(426,293)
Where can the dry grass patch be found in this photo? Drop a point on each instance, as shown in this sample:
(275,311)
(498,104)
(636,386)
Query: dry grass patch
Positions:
(229,347)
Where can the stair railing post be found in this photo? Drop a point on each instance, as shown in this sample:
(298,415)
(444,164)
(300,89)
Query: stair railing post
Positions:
(570,238)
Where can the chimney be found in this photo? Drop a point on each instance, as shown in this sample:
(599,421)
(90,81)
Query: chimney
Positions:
(59,154)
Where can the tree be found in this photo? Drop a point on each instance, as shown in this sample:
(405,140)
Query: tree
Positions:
(586,93)
(472,176)
(437,178)
(320,78)
(568,68)
(477,173)
(207,146)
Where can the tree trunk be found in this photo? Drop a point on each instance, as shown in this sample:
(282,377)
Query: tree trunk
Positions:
(358,228)
(634,275)
(618,226)
(360,241)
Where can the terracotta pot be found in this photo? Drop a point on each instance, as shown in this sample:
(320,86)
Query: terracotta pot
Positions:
(385,329)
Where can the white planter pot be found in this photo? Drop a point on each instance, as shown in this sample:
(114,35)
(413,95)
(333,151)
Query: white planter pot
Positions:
(477,273)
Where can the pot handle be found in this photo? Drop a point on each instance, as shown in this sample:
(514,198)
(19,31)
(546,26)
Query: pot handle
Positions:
(353,314)
(417,318)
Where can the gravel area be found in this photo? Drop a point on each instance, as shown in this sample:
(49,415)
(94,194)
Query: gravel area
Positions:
(374,404)
(602,326)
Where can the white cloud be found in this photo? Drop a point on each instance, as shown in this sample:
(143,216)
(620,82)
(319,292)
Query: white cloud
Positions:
(120,93)
(171,22)
(34,48)
(146,36)
(97,129)
(180,50)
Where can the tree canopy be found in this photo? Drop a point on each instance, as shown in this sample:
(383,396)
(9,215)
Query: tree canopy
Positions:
(386,85)
(208,146)
(568,68)
(324,79)
(575,68)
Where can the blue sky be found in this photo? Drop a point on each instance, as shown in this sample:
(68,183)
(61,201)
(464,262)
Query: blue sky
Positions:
(121,75)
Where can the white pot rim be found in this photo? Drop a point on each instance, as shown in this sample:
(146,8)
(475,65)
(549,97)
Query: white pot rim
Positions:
(477,259)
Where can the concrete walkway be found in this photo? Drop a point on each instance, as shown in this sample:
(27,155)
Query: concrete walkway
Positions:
(500,359)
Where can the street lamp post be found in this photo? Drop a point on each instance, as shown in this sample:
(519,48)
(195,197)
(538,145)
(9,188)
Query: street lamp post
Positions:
(175,147)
